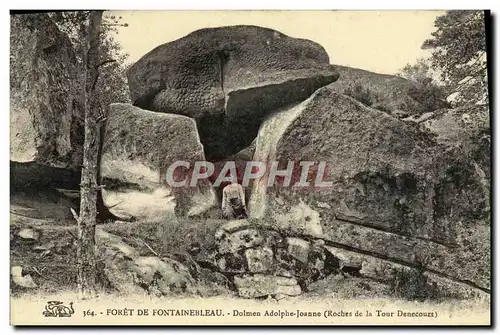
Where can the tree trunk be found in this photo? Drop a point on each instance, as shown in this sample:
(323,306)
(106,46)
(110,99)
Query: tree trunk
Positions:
(86,262)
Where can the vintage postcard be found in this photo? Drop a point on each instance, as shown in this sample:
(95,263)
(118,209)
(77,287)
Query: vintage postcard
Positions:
(250,168)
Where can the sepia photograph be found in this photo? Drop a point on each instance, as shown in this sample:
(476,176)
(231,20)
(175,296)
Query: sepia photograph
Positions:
(264,167)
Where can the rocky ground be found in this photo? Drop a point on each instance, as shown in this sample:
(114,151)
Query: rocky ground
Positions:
(182,257)
(45,251)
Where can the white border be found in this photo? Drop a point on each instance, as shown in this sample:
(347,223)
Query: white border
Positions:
(196,4)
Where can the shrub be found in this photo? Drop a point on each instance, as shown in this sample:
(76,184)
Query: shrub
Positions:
(429,95)
(412,284)
(363,95)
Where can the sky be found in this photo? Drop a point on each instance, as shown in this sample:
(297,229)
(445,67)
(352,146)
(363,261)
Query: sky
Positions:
(378,41)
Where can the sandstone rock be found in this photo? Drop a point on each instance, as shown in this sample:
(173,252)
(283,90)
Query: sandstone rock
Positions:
(298,248)
(300,219)
(360,146)
(288,290)
(139,146)
(29,234)
(348,262)
(288,264)
(263,285)
(451,260)
(384,271)
(128,272)
(236,225)
(231,263)
(229,78)
(240,240)
(259,260)
(393,94)
(44,115)
(316,257)
(386,175)
(21,280)
(168,275)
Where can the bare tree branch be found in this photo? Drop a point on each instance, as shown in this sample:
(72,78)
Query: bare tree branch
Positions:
(147,245)
(105,62)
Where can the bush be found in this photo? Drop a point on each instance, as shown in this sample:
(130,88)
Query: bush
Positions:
(429,95)
(363,95)
(412,285)
(168,235)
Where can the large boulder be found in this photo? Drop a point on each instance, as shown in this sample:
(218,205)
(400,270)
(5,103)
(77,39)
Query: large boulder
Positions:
(390,191)
(127,271)
(390,93)
(465,132)
(229,78)
(138,148)
(44,122)
(262,260)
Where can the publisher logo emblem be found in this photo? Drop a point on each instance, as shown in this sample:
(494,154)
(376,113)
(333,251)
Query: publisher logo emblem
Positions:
(57,309)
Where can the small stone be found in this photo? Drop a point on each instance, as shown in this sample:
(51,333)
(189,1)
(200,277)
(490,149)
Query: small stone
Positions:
(298,248)
(259,260)
(263,285)
(23,281)
(16,271)
(169,275)
(317,255)
(283,281)
(289,290)
(279,201)
(347,263)
(240,240)
(284,273)
(219,234)
(236,225)
(320,244)
(255,286)
(28,234)
(286,262)
(231,263)
(279,296)
(323,205)
(274,239)
(44,247)
(301,219)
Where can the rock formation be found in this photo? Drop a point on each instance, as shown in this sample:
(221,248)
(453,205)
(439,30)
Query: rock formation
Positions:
(389,93)
(391,186)
(229,78)
(138,148)
(129,272)
(262,261)
(46,121)
(44,118)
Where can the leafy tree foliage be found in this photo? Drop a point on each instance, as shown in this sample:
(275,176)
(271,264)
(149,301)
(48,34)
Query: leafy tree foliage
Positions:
(112,81)
(459,52)
(421,72)
(425,89)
